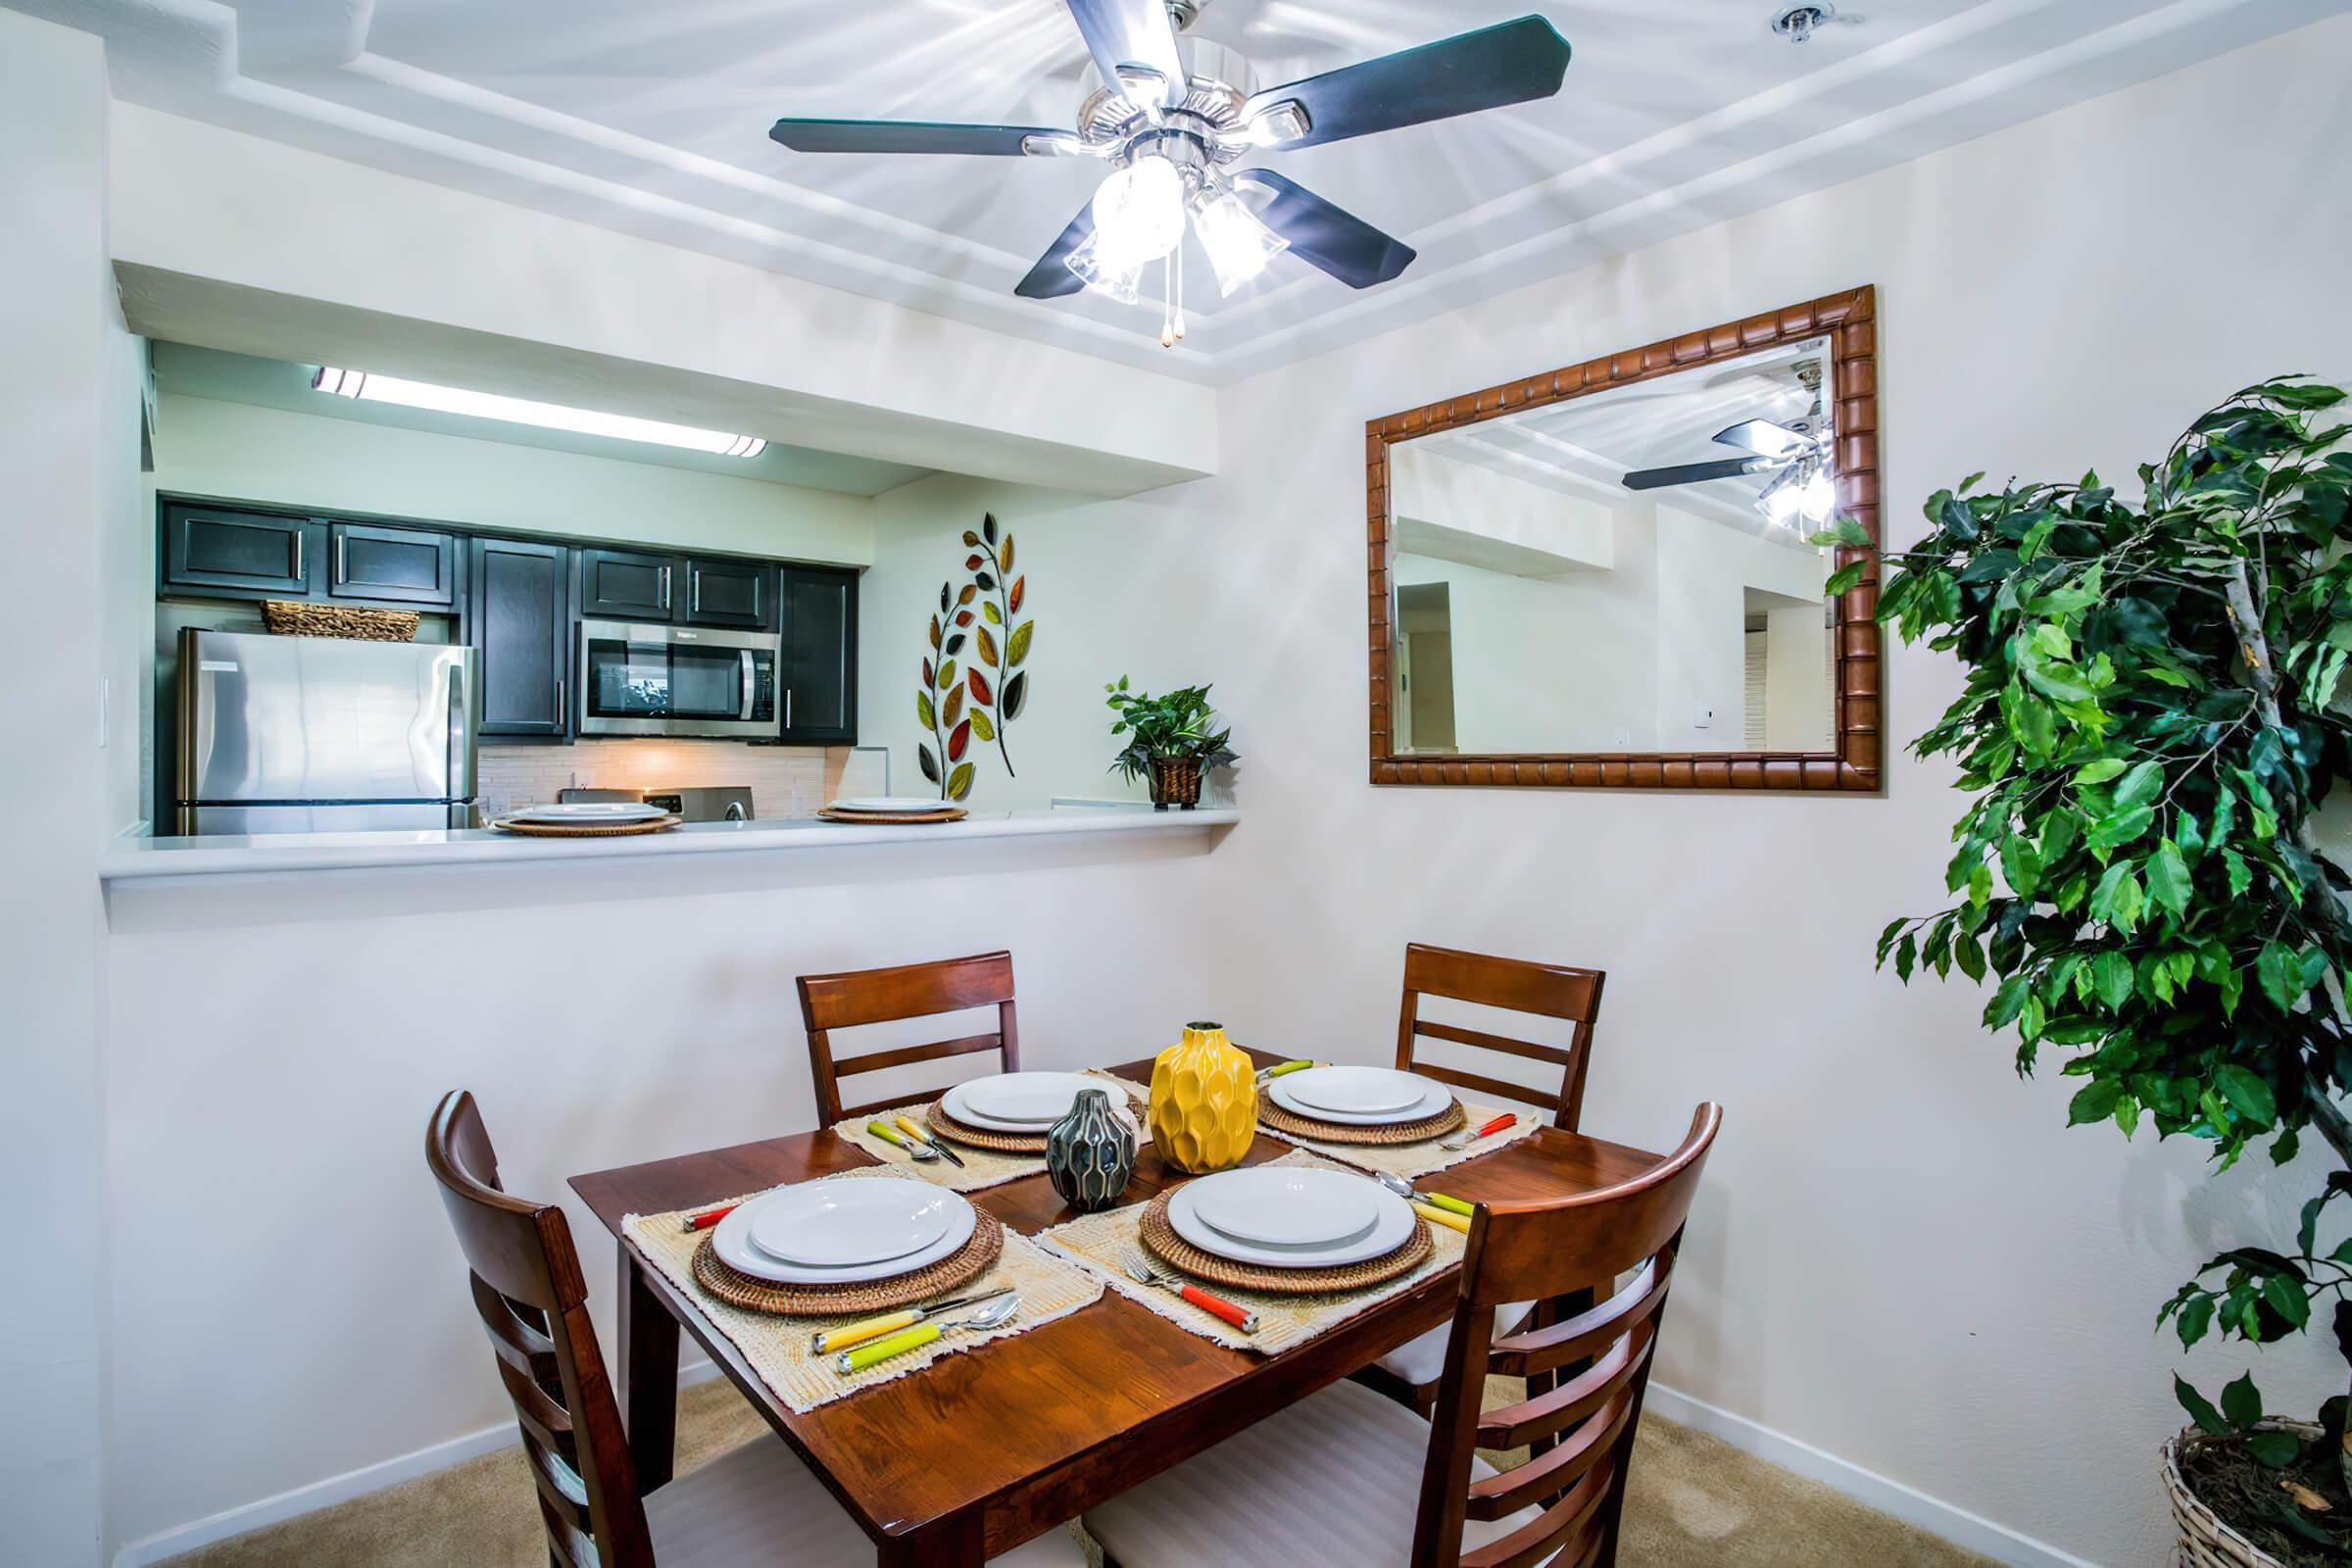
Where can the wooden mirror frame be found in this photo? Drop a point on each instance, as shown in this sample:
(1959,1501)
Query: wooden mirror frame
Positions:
(1851,322)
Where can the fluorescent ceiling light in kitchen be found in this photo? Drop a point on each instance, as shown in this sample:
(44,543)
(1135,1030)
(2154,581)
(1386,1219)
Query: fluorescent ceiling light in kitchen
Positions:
(521,410)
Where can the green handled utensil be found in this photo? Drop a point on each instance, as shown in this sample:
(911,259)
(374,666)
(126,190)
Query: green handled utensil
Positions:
(891,1135)
(986,1317)
(1404,1189)
(1268,1074)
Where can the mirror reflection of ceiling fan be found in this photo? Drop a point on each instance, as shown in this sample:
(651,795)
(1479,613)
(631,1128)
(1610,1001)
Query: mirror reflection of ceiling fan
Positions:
(1173,114)
(1796,454)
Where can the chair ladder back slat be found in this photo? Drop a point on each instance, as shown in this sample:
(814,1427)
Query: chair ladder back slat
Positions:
(860,996)
(1513,985)
(1556,1469)
(1547,1413)
(525,1267)
(1586,1371)
(1543,1349)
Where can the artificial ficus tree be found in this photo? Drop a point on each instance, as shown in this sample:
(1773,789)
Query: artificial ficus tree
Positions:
(2147,726)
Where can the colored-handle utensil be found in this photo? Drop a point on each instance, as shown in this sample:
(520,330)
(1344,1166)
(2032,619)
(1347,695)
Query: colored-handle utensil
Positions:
(1465,1140)
(891,1135)
(706,1218)
(1140,1269)
(1443,1216)
(1268,1074)
(1404,1189)
(922,1334)
(874,1328)
(916,1130)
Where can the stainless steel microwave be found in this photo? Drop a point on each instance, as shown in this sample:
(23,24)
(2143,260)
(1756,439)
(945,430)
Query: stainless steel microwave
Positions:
(677,680)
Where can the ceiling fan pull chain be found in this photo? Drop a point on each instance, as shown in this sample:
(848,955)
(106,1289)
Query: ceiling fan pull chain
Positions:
(1177,257)
(1168,301)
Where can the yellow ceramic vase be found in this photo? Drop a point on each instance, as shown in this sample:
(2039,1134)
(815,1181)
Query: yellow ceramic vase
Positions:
(1204,1101)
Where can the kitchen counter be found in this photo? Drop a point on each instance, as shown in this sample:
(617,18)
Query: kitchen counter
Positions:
(144,859)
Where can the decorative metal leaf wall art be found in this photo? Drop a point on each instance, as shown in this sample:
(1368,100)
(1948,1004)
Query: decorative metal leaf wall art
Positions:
(979,623)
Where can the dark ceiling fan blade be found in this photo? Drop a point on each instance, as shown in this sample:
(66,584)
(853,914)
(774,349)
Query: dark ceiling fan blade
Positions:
(1765,436)
(909,136)
(1331,237)
(1696,473)
(1132,32)
(1509,63)
(1050,279)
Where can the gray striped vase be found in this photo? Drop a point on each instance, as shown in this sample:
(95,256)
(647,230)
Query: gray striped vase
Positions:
(1090,1153)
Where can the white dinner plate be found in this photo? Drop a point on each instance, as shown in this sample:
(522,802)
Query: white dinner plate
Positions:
(1392,1225)
(588,811)
(732,1240)
(1286,1206)
(1360,1090)
(1018,1100)
(843,1224)
(889,803)
(1434,1100)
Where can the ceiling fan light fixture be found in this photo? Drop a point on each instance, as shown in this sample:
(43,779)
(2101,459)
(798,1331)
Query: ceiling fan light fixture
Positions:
(1238,241)
(1139,212)
(1121,283)
(1276,123)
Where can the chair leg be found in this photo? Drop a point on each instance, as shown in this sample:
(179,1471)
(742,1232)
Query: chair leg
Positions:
(1420,1399)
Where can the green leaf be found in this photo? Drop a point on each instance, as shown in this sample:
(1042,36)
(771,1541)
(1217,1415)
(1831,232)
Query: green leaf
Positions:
(1906,957)
(2279,1450)
(2167,879)
(1016,647)
(990,614)
(2240,878)
(2098,772)
(2279,975)
(1843,578)
(2248,1093)
(2286,1294)
(2093,1102)
(2120,827)
(959,782)
(2006,1004)
(2241,1402)
(924,710)
(2193,1318)
(982,729)
(2111,975)
(2021,863)
(2139,786)
(2199,1409)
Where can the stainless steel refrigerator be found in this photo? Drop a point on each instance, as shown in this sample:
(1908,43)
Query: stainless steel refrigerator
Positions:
(323,734)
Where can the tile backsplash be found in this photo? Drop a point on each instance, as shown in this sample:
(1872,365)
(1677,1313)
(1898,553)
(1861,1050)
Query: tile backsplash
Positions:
(784,780)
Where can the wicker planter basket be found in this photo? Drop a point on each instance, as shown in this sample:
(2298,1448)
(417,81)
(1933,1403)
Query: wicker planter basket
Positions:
(1175,781)
(2204,1541)
(290,617)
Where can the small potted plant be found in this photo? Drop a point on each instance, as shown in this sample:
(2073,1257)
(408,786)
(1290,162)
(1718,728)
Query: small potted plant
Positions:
(1169,739)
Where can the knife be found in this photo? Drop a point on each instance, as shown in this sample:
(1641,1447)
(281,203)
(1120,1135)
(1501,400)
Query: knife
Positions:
(1441,1216)
(916,1130)
(874,1328)
(891,1135)
(1269,1074)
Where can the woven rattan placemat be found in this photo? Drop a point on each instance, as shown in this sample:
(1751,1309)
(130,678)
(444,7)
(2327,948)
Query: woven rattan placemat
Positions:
(585,830)
(1332,1131)
(1105,1242)
(966,1263)
(1159,1235)
(955,1131)
(948,814)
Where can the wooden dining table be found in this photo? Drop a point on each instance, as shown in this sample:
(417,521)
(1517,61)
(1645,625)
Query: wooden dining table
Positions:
(978,1453)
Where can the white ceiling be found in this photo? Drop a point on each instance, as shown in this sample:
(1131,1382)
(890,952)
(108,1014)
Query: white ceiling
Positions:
(652,119)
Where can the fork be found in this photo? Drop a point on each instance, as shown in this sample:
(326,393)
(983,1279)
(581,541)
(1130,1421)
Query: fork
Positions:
(1464,1138)
(1140,1269)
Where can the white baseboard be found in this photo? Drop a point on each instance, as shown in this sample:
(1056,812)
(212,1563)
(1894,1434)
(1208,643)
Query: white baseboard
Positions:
(1907,1504)
(340,1488)
(1867,1487)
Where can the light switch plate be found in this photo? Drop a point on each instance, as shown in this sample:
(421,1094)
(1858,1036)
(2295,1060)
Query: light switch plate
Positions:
(1703,716)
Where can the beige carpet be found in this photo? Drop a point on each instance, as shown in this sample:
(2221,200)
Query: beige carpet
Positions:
(1694,1503)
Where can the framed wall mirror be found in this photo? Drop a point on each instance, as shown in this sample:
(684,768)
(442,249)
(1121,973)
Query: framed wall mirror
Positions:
(1602,575)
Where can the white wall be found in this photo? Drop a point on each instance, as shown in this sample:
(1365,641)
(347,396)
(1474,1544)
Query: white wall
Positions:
(71,457)
(212,448)
(1902,1255)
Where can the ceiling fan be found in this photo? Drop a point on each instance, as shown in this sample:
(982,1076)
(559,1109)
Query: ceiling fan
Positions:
(1172,114)
(1795,454)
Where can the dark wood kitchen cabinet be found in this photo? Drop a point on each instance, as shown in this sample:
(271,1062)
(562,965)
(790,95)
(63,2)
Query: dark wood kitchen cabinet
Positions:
(522,626)
(818,672)
(628,585)
(207,548)
(402,565)
(730,593)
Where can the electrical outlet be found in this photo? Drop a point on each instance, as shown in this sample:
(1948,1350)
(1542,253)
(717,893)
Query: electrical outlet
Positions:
(1703,716)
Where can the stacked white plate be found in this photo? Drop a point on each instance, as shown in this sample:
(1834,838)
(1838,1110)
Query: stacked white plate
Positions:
(1361,1097)
(1018,1101)
(890,805)
(576,812)
(1283,1217)
(844,1233)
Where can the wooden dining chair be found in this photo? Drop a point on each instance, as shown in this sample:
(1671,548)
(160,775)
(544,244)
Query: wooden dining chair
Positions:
(754,1504)
(1347,1476)
(1514,985)
(857,997)
(1409,1373)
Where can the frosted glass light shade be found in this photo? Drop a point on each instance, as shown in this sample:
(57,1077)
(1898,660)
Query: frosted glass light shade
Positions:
(1139,212)
(1239,244)
(1104,276)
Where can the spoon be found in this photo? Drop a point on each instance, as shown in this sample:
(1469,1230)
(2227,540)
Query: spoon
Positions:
(991,1315)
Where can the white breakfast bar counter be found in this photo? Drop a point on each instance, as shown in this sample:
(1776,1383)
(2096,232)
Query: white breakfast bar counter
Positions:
(140,859)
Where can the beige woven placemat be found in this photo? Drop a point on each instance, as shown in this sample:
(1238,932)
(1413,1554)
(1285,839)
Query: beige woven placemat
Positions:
(777,1348)
(981,1167)
(1410,1161)
(1103,1242)
(1281,1119)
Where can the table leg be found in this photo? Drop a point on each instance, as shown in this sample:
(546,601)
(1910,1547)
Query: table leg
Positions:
(648,1376)
(956,1542)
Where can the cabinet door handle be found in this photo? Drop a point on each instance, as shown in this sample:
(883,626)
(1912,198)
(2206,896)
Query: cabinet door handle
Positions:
(561,715)
(694,601)
(664,587)
(341,576)
(788,707)
(298,571)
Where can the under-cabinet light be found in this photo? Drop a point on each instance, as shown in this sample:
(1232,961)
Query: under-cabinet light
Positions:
(521,410)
